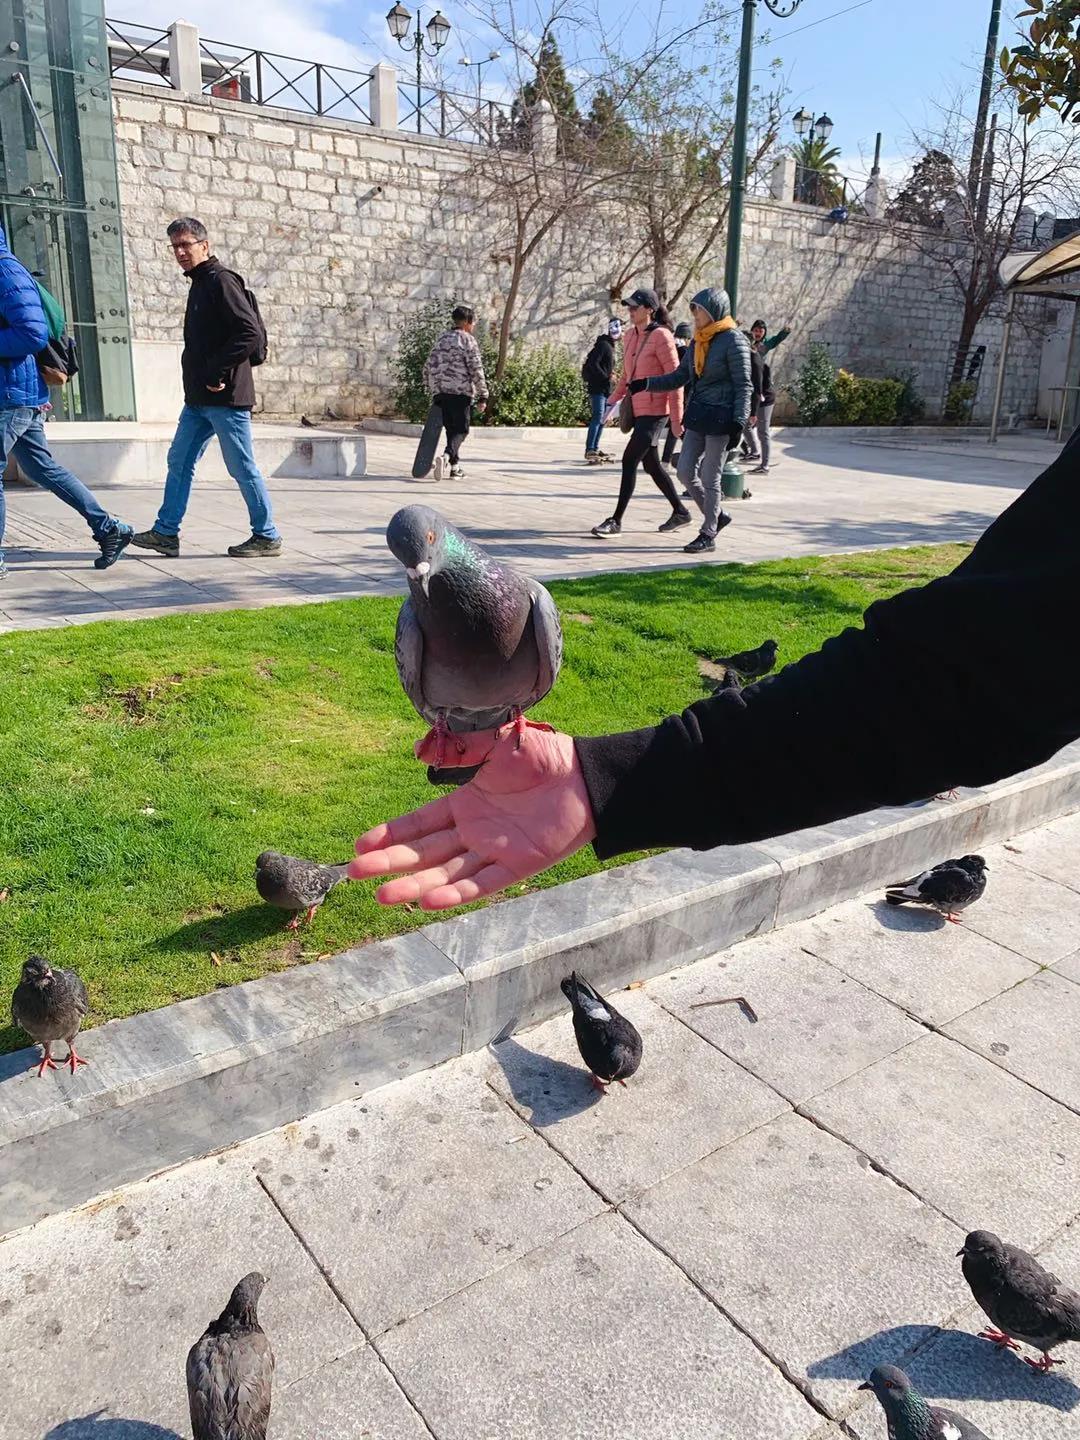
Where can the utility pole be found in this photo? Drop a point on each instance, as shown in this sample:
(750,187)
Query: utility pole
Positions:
(979,138)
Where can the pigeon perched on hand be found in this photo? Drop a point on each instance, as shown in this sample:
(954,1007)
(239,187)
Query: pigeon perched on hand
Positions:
(1022,1300)
(907,1414)
(752,664)
(294,884)
(609,1044)
(49,1004)
(477,642)
(230,1370)
(948,888)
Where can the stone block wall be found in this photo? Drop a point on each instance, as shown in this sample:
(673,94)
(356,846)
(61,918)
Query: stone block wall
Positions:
(343,230)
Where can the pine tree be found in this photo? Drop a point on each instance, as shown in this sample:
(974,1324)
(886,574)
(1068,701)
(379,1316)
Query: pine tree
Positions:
(930,188)
(550,83)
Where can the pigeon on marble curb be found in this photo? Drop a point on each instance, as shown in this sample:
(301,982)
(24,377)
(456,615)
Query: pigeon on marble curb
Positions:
(1021,1299)
(948,888)
(294,884)
(49,1004)
(907,1414)
(609,1044)
(477,642)
(751,664)
(230,1370)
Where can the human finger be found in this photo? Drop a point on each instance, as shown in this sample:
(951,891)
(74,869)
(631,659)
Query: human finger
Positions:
(488,881)
(394,859)
(435,815)
(415,887)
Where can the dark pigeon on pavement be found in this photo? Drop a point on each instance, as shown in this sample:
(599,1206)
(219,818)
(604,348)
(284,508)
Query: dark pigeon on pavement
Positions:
(230,1370)
(477,643)
(609,1044)
(1021,1299)
(948,888)
(294,884)
(49,1004)
(751,664)
(909,1417)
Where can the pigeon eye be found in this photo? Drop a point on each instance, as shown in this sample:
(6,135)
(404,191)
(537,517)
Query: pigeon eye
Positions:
(431,537)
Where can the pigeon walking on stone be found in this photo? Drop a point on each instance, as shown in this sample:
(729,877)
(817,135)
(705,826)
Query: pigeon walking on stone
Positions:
(477,642)
(907,1414)
(294,884)
(751,664)
(609,1044)
(49,1004)
(948,888)
(230,1370)
(1022,1300)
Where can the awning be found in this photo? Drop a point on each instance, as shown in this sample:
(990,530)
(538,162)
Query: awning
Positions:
(1055,270)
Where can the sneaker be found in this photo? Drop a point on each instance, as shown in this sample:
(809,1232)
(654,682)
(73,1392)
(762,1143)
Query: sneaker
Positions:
(610,526)
(605,458)
(442,468)
(591,457)
(254,548)
(761,470)
(113,545)
(686,495)
(456,472)
(699,546)
(167,545)
(676,521)
(724,518)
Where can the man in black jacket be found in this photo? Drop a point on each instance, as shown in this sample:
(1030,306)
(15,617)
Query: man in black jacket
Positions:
(221,334)
(598,372)
(960,682)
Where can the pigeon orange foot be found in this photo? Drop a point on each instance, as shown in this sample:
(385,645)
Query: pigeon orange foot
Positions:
(1044,1364)
(74,1060)
(1000,1339)
(46,1061)
(520,725)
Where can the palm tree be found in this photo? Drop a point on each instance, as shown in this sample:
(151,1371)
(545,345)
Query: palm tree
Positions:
(817,180)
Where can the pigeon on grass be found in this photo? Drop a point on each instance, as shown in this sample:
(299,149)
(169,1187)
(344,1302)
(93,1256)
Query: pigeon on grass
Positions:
(609,1044)
(230,1370)
(948,888)
(751,664)
(294,884)
(907,1414)
(1021,1299)
(477,642)
(49,1004)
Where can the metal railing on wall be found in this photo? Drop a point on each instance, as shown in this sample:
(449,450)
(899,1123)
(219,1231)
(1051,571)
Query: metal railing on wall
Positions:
(825,188)
(138,51)
(458,117)
(262,77)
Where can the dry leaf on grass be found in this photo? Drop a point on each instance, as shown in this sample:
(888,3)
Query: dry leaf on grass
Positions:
(215,958)
(5,894)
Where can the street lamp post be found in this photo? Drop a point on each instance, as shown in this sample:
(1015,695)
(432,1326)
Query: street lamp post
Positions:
(438,32)
(479,64)
(820,129)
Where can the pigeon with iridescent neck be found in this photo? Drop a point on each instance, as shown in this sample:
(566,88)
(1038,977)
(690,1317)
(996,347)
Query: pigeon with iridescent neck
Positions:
(907,1414)
(477,642)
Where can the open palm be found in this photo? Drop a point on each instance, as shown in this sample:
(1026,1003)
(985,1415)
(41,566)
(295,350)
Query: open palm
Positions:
(526,810)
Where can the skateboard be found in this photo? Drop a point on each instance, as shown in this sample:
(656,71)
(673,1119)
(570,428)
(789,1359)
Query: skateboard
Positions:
(429,443)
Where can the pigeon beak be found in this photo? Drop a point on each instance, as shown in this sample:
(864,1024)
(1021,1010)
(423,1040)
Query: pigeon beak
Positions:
(960,1252)
(420,572)
(866,1385)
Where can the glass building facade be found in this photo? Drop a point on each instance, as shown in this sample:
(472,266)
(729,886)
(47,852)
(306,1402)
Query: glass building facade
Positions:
(59,196)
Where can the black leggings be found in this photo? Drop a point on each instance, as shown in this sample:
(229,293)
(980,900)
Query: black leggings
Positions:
(641,450)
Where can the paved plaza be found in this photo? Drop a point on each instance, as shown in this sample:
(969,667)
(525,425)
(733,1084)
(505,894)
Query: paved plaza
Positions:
(532,501)
(723,1249)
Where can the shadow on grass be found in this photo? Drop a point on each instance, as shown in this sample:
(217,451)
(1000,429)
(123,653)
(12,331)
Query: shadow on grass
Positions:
(226,932)
(99,1426)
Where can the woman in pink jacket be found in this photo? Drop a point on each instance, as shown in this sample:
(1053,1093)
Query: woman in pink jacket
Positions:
(648,349)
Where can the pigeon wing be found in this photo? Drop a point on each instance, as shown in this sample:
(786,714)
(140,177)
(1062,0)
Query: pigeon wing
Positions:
(549,640)
(951,1426)
(1033,1303)
(229,1386)
(409,655)
(77,991)
(946,885)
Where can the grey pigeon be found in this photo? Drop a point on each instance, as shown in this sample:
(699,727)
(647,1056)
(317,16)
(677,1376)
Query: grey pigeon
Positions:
(294,884)
(49,1004)
(477,642)
(230,1370)
(609,1044)
(948,888)
(1023,1301)
(907,1414)
(751,664)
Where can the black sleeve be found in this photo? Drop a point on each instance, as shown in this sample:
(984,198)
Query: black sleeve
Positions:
(605,361)
(963,681)
(757,371)
(238,321)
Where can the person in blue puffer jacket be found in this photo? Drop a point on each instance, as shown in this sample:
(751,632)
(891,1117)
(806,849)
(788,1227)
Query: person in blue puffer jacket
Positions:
(24,396)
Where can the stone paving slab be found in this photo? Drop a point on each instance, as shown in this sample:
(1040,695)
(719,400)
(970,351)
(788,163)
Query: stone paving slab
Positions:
(1038,918)
(788,1223)
(354,1398)
(1050,851)
(1069,967)
(631,1137)
(1012,1031)
(815,1026)
(986,1149)
(595,1335)
(451,1181)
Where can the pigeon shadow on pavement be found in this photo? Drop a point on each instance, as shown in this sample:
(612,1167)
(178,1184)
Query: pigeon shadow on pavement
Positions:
(548,1090)
(914,919)
(100,1426)
(886,1347)
(224,932)
(14,1041)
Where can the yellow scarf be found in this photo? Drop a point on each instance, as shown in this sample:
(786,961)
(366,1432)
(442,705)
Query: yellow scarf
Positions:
(702,339)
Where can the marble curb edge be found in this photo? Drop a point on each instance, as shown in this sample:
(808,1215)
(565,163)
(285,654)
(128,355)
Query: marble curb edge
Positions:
(200,1075)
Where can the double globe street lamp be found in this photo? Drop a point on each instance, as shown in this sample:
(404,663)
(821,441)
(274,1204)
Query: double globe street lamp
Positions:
(808,180)
(399,20)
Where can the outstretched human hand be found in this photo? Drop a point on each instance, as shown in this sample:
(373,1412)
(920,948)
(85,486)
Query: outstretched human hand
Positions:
(526,810)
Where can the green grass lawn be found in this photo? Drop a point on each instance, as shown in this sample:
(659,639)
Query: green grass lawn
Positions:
(147,763)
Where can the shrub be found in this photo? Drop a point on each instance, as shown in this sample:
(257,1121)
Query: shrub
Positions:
(856,401)
(813,388)
(911,407)
(959,402)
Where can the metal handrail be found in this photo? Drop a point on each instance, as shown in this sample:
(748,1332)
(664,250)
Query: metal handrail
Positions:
(262,80)
(127,52)
(20,79)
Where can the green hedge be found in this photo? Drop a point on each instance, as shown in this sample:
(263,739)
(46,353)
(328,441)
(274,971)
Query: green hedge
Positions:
(856,401)
(825,395)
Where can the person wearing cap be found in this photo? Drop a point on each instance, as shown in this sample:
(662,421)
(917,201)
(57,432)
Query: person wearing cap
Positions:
(717,370)
(684,333)
(648,349)
(598,372)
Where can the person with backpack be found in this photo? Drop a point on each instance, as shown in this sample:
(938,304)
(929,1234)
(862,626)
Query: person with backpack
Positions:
(223,338)
(598,373)
(25,335)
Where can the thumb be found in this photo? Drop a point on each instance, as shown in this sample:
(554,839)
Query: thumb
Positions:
(472,748)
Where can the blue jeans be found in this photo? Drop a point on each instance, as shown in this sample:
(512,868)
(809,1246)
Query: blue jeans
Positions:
(22,434)
(597,407)
(197,427)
